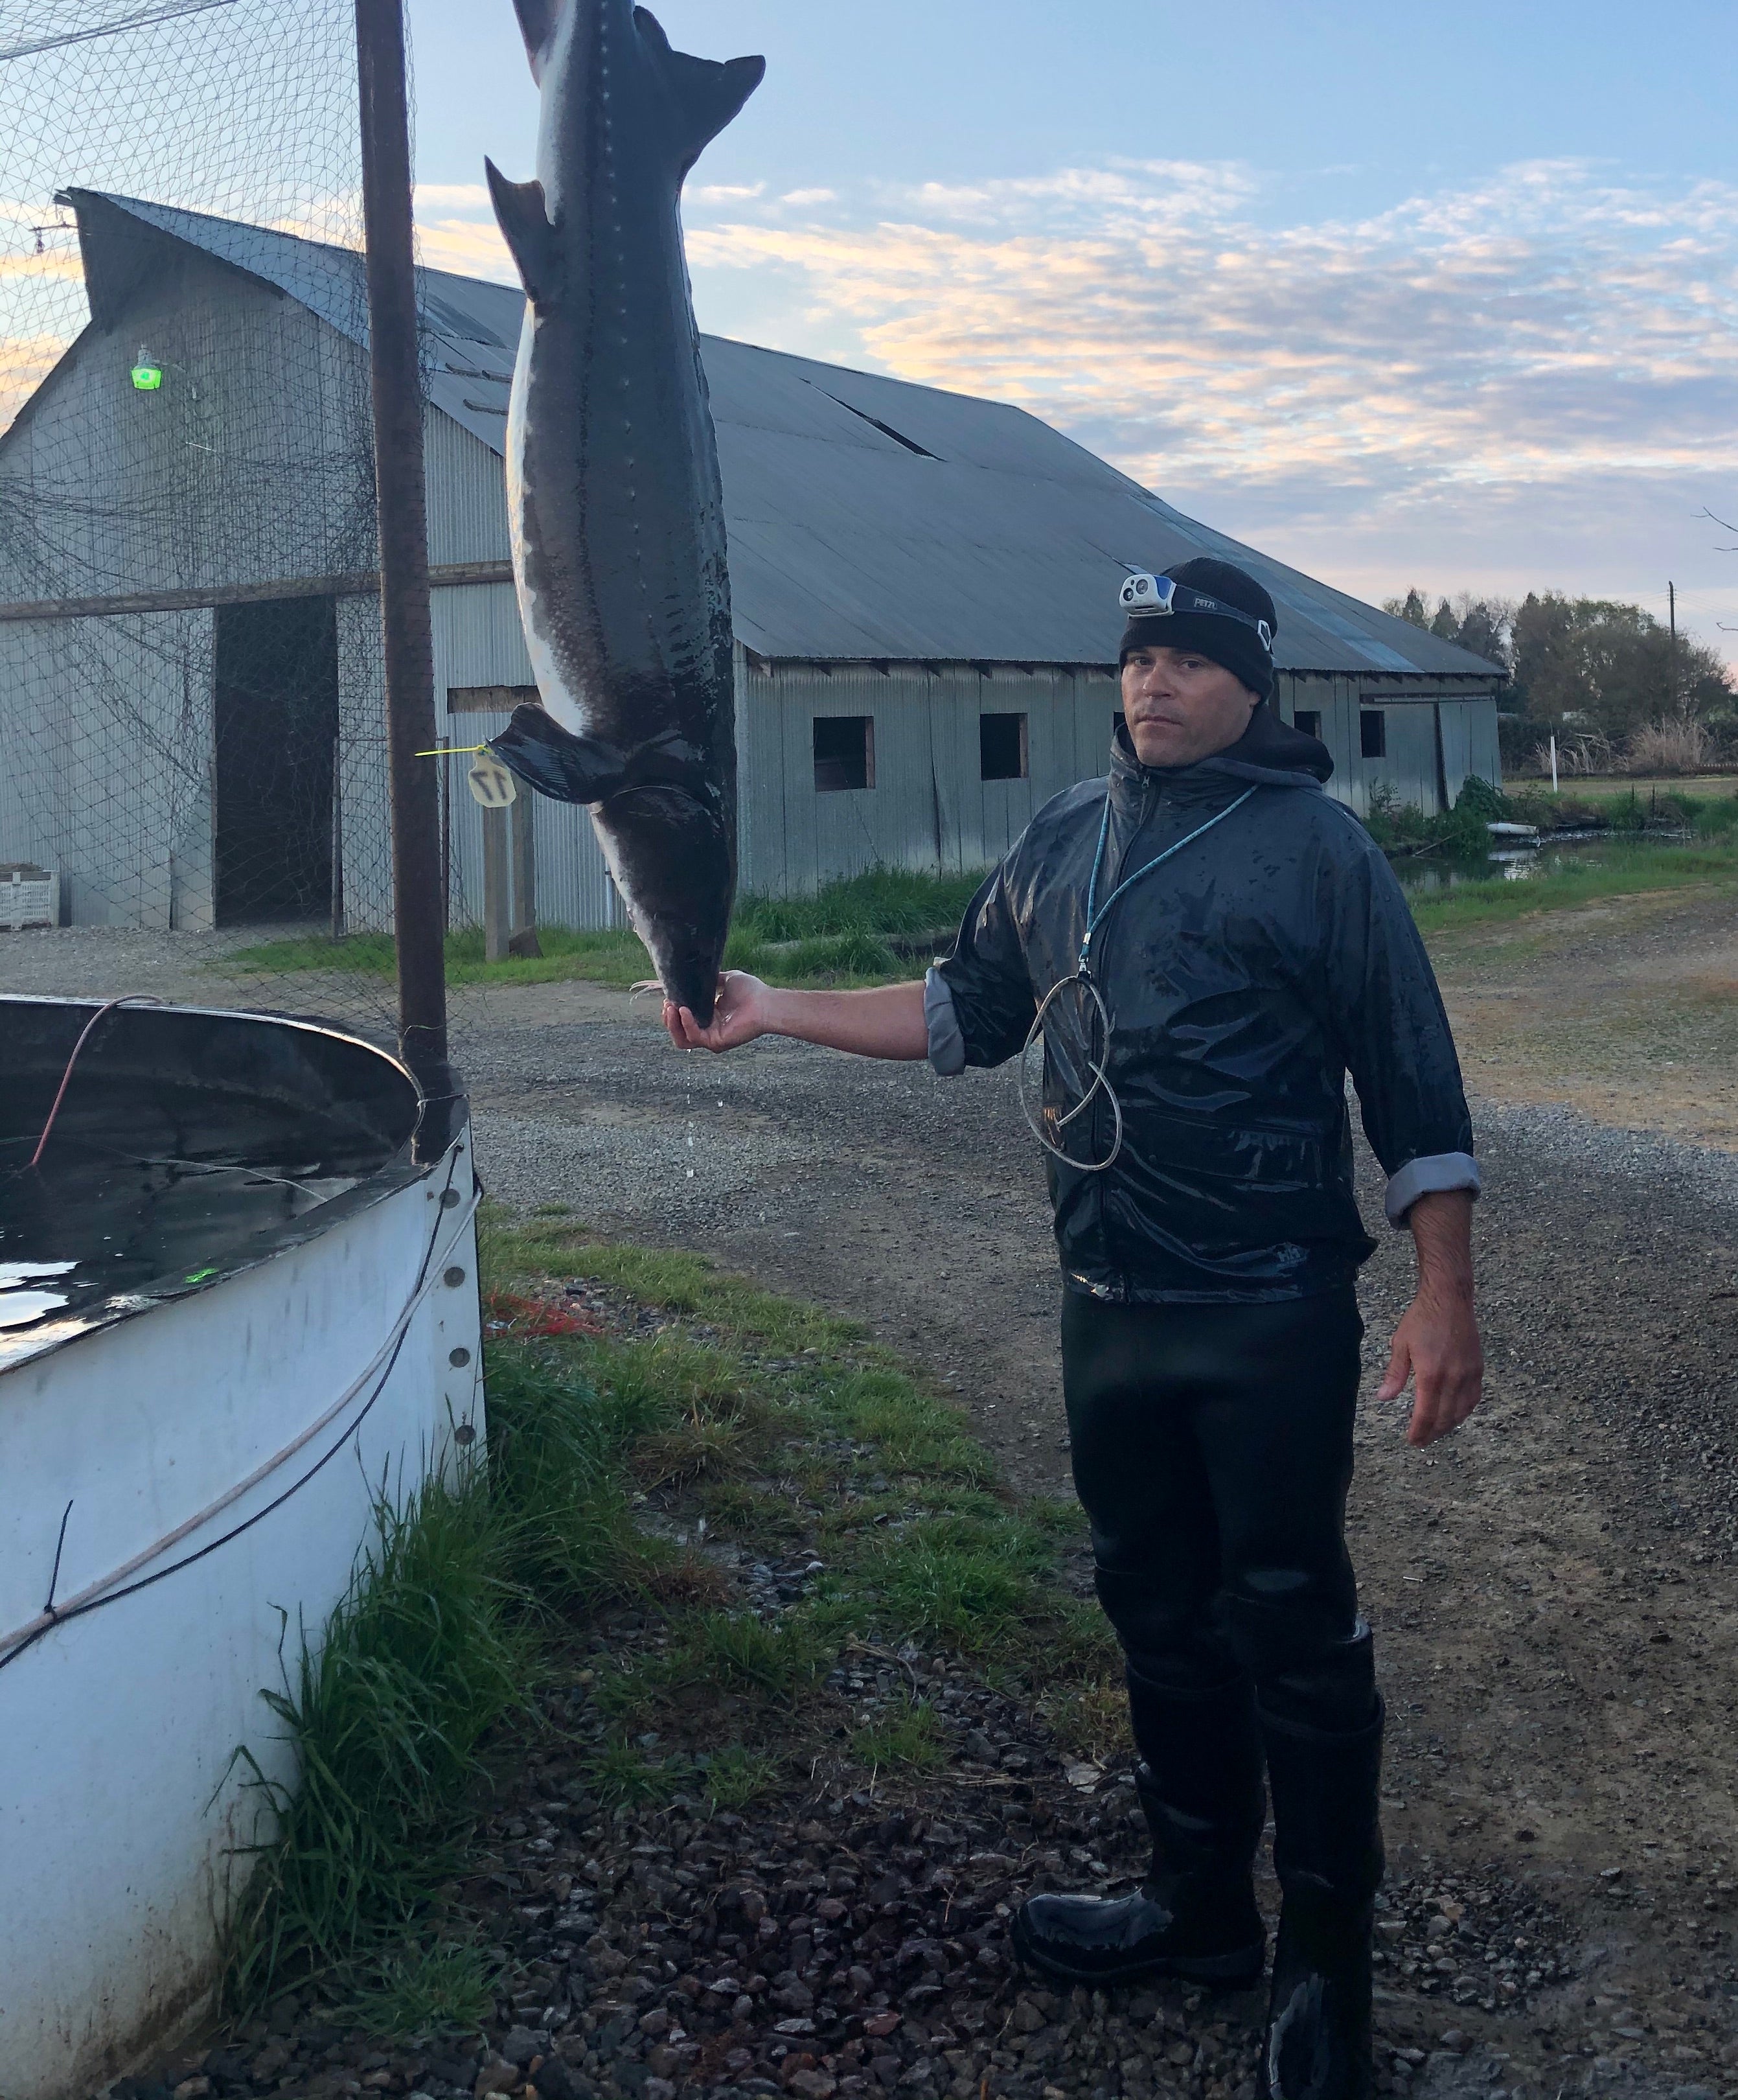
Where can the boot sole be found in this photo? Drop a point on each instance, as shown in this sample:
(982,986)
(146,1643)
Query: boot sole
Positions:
(1242,1967)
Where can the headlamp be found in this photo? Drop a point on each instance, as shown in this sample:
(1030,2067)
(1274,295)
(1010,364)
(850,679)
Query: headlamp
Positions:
(1143,596)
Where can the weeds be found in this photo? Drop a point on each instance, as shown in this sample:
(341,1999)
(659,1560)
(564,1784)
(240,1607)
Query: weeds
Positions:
(1639,869)
(910,1740)
(424,1654)
(736,1651)
(777,1423)
(734,1777)
(841,936)
(420,1989)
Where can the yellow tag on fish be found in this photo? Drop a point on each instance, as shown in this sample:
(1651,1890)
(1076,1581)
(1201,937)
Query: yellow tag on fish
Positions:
(491,784)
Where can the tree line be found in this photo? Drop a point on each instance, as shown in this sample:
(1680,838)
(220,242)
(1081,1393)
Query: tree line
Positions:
(1603,676)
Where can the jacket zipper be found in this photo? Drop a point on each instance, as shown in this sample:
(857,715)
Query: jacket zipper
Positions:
(1103,1123)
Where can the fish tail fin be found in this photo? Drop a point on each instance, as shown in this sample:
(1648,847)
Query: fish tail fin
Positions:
(710,92)
(539,20)
(523,217)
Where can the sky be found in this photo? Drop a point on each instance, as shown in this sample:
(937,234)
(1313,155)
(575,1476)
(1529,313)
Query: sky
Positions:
(1400,293)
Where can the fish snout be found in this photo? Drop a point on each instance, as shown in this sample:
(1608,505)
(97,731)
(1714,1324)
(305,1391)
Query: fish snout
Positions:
(674,866)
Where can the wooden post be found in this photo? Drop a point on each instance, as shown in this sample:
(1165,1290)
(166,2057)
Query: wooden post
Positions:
(498,886)
(523,940)
(406,632)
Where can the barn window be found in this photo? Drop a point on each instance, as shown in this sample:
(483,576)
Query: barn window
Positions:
(1309,720)
(1372,733)
(1002,747)
(843,752)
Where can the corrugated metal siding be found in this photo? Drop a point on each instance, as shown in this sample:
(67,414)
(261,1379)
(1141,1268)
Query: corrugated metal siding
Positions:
(1434,741)
(249,466)
(114,717)
(467,493)
(479,642)
(930,808)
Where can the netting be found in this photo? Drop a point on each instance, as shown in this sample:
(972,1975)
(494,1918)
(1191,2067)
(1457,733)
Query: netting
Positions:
(193,769)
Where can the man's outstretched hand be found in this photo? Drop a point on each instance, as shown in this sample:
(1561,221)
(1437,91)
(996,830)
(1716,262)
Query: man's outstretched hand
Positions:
(1437,1343)
(886,1020)
(739,1017)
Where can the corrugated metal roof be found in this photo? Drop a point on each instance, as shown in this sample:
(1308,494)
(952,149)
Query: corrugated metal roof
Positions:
(870,517)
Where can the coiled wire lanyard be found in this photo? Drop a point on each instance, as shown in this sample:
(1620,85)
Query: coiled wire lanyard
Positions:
(1096,915)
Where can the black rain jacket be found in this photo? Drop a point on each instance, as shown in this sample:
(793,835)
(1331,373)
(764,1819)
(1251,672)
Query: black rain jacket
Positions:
(1244,978)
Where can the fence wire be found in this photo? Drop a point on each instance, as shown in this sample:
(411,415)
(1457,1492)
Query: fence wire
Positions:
(192,756)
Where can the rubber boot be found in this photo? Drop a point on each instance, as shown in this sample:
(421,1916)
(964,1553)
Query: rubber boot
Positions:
(1327,1853)
(1195,1914)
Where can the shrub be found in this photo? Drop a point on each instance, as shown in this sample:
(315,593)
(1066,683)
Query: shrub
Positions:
(1678,743)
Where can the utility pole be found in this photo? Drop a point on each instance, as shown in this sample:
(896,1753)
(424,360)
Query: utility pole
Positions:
(418,913)
(1671,600)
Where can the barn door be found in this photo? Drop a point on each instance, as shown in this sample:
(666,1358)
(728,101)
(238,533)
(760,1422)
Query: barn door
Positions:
(1454,746)
(274,723)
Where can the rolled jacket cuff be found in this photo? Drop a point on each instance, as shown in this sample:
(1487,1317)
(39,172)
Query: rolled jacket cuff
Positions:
(1441,1171)
(946,1044)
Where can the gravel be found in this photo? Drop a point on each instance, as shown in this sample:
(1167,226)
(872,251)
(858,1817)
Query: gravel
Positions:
(1554,1594)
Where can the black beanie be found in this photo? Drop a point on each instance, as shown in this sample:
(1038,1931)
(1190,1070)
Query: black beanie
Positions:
(1221,640)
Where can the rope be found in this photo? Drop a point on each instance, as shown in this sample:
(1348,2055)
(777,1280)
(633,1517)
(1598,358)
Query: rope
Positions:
(1081,975)
(95,1595)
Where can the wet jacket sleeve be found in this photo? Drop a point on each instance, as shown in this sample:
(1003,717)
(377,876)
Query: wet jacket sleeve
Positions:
(978,1003)
(1394,1035)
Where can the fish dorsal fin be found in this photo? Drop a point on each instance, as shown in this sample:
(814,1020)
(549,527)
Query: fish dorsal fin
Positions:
(524,221)
(538,22)
(710,92)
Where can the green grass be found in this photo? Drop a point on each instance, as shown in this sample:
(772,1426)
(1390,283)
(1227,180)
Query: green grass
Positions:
(423,1989)
(780,1422)
(910,1739)
(734,1777)
(422,1657)
(1629,872)
(838,937)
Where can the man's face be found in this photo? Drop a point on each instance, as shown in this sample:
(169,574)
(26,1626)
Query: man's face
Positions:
(1181,708)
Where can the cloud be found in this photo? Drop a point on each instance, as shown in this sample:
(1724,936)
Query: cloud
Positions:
(1552,333)
(1543,325)
(809,196)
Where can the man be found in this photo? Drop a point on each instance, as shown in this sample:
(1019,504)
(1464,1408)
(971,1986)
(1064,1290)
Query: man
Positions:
(1209,944)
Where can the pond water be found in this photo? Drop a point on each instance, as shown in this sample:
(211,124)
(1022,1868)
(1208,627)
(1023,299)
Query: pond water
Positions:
(1514,860)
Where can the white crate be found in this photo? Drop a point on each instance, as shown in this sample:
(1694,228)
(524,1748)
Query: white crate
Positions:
(29,896)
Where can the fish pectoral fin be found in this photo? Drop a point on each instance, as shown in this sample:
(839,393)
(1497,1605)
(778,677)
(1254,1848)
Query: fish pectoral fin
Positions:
(565,767)
(710,92)
(538,21)
(523,216)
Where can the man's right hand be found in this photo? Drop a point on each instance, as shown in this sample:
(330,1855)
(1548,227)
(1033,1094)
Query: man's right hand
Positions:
(885,1021)
(738,1016)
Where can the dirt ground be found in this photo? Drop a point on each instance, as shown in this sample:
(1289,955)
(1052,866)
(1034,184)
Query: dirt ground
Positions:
(1555,1592)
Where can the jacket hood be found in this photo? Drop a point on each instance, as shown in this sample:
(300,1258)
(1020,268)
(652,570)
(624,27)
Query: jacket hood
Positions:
(1269,753)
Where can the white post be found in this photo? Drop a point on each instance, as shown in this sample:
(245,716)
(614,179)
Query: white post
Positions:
(1554,761)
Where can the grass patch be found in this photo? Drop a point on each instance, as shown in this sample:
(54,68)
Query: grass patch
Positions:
(424,1990)
(777,1423)
(841,936)
(420,1659)
(736,1651)
(1630,872)
(735,1777)
(911,1740)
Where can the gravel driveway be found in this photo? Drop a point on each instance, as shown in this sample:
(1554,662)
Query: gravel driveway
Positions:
(1555,1592)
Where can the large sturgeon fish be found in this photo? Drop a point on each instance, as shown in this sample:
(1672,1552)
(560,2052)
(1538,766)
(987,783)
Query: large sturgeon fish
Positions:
(616,512)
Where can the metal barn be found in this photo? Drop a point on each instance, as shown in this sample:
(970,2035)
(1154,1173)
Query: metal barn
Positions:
(924,584)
